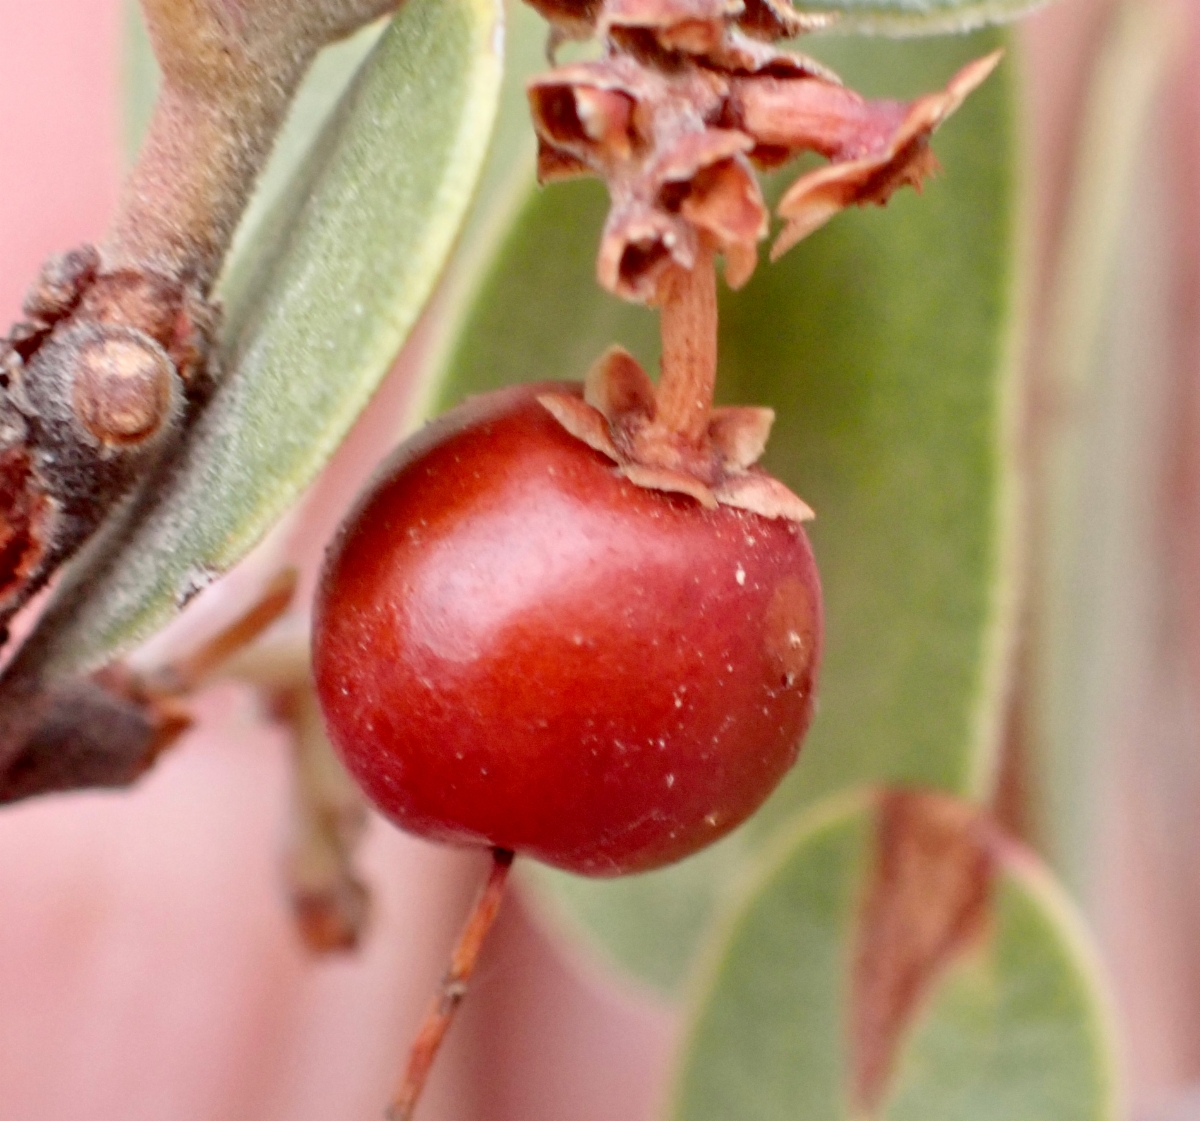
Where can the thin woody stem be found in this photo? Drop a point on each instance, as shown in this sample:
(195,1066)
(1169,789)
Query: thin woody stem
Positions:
(227,83)
(230,69)
(453,988)
(688,323)
(193,177)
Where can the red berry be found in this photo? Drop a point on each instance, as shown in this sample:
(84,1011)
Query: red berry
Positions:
(514,646)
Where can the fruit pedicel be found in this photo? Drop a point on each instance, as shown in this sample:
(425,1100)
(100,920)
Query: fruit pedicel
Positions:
(577,623)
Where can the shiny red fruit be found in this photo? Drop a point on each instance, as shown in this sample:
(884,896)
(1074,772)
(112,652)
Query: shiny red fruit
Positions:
(515,646)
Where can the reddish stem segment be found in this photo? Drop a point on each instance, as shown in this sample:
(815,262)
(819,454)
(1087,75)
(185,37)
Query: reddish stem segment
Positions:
(188,674)
(688,322)
(453,988)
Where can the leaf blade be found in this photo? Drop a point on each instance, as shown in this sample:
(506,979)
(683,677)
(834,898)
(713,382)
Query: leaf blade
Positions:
(1014,1027)
(359,223)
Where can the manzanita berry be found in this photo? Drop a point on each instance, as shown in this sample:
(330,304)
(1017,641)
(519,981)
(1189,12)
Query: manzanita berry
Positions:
(516,647)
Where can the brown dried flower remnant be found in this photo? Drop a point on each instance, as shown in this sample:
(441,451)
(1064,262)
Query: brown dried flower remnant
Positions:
(689,97)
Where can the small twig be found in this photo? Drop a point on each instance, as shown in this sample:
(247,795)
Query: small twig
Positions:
(440,1013)
(187,673)
(688,322)
(230,71)
(106,729)
(330,901)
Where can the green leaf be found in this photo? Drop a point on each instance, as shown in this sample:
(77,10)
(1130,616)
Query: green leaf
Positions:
(344,265)
(884,343)
(917,17)
(139,79)
(1008,1025)
(888,347)
(504,187)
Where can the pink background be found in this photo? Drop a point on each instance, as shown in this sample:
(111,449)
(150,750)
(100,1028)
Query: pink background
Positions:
(147,967)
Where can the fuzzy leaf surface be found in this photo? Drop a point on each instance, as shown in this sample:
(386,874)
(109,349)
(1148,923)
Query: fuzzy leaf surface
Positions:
(339,273)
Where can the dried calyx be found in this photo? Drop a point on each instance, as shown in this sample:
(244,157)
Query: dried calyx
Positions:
(689,98)
(669,437)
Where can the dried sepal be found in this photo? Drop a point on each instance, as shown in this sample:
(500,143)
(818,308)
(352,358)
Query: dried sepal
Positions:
(616,385)
(584,422)
(555,164)
(777,19)
(656,30)
(639,246)
(762,494)
(740,433)
(670,481)
(617,415)
(673,175)
(805,114)
(569,19)
(740,53)
(723,201)
(872,178)
(586,111)
(692,27)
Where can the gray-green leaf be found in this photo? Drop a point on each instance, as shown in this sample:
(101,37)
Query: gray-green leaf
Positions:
(341,270)
(917,17)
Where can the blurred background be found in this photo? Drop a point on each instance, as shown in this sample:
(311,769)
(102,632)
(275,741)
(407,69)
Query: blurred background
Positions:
(148,966)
